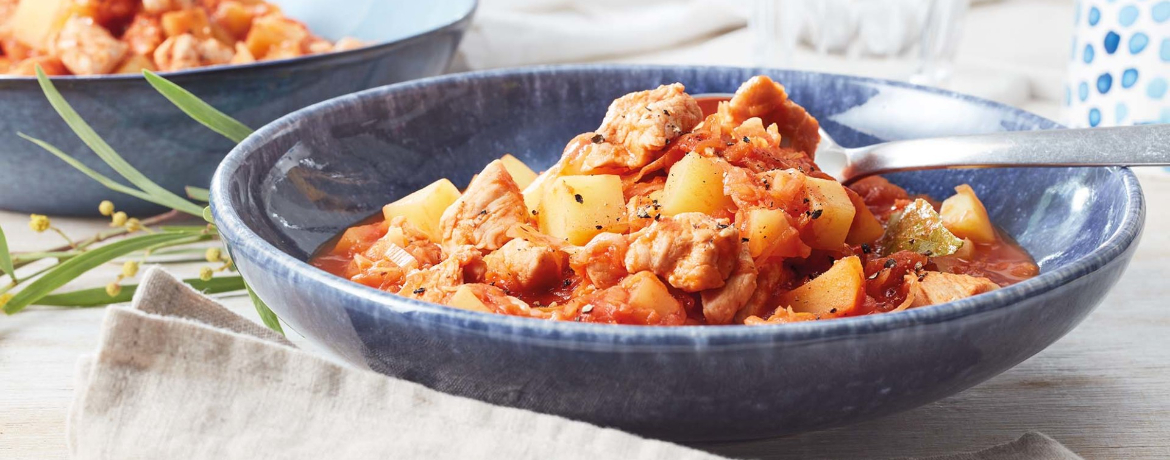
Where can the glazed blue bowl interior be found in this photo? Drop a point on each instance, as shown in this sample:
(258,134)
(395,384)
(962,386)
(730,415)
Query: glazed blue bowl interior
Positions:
(408,40)
(301,180)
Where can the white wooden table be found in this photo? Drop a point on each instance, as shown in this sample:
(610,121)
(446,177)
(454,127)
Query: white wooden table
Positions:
(1103,390)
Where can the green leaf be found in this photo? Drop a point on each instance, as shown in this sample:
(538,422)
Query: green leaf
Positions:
(197,109)
(97,297)
(266,313)
(70,269)
(198,194)
(101,179)
(919,228)
(6,257)
(207,215)
(107,153)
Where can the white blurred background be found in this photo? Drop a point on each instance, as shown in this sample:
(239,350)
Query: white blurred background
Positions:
(1012,51)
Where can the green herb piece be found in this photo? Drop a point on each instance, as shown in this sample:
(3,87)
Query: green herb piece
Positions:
(6,257)
(266,313)
(106,153)
(919,228)
(101,179)
(198,194)
(70,269)
(207,215)
(97,297)
(198,110)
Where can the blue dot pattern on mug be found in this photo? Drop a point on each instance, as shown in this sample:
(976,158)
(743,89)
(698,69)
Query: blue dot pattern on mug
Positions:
(1119,72)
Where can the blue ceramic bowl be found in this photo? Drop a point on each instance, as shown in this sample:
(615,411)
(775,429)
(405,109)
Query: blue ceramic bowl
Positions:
(411,40)
(298,182)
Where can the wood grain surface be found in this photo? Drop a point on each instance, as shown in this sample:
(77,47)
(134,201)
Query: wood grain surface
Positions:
(1103,390)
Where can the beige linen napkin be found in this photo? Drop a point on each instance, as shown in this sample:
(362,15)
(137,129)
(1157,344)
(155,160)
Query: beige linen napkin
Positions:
(177,376)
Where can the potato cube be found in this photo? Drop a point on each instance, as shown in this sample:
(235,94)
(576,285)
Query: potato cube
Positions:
(464,298)
(694,184)
(831,214)
(36,21)
(965,216)
(423,208)
(769,233)
(835,293)
(649,295)
(865,228)
(577,208)
(275,34)
(190,21)
(520,172)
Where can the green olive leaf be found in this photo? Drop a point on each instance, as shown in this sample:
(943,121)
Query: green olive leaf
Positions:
(6,257)
(97,297)
(198,110)
(70,269)
(266,315)
(198,194)
(107,154)
(918,228)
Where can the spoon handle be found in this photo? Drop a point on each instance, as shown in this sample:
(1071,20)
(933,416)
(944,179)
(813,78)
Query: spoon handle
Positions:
(1147,145)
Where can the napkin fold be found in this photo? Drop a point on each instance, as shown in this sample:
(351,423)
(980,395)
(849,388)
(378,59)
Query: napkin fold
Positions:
(176,375)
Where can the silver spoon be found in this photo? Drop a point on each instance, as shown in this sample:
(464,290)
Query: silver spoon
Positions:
(1147,145)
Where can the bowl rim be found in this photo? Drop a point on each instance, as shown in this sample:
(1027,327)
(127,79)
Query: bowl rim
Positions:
(212,71)
(563,333)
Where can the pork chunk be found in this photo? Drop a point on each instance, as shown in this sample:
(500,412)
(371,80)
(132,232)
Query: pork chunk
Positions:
(602,260)
(522,266)
(482,216)
(721,305)
(638,125)
(87,48)
(937,287)
(437,283)
(692,251)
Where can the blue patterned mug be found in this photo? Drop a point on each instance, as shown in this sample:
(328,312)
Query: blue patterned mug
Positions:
(1120,64)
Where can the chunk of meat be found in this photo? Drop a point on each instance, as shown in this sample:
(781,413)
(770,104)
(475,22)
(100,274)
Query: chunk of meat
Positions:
(721,305)
(638,125)
(86,48)
(761,97)
(482,216)
(436,283)
(640,298)
(522,266)
(177,53)
(692,251)
(770,277)
(144,35)
(601,262)
(7,7)
(933,288)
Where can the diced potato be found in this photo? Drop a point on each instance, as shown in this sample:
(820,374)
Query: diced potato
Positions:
(832,213)
(865,228)
(768,232)
(835,293)
(695,184)
(577,208)
(520,172)
(965,216)
(358,239)
(424,207)
(465,299)
(136,63)
(192,21)
(536,190)
(649,294)
(234,17)
(36,21)
(272,33)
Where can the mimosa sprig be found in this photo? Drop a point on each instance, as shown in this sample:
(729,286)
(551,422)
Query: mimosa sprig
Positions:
(132,240)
